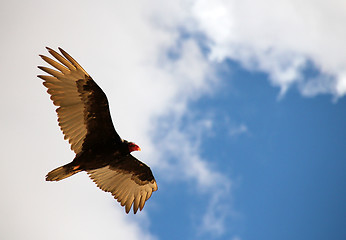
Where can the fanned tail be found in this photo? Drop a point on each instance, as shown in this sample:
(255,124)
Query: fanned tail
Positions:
(62,172)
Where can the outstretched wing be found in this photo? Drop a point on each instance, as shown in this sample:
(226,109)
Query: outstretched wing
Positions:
(83,111)
(129,180)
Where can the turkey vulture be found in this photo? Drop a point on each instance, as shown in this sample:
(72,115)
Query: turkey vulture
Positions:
(84,118)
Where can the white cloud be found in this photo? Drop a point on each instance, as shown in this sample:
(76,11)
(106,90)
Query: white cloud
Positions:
(278,38)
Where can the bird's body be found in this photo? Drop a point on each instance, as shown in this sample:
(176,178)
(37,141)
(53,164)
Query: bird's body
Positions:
(84,118)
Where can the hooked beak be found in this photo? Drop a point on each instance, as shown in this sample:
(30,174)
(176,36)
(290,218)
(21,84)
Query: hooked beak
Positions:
(134,147)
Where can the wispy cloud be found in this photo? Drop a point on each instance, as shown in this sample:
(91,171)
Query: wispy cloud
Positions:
(238,130)
(218,210)
(186,164)
(236,238)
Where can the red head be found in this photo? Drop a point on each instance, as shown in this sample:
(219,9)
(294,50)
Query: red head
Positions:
(133,147)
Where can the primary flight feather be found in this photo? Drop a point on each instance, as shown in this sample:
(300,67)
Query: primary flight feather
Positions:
(84,118)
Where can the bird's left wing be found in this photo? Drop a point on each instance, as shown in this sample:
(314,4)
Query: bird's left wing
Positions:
(129,180)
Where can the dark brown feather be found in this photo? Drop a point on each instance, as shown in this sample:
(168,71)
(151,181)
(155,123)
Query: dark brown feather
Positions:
(128,180)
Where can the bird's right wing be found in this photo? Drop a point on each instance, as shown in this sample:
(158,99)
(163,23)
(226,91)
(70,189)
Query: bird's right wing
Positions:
(83,111)
(129,180)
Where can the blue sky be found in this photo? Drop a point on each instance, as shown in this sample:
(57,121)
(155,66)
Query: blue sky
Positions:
(290,162)
(288,165)
(238,107)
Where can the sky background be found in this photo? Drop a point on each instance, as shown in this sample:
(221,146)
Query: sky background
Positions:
(238,107)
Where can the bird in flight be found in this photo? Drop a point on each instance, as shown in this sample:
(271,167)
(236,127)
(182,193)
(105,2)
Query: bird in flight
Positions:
(84,118)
